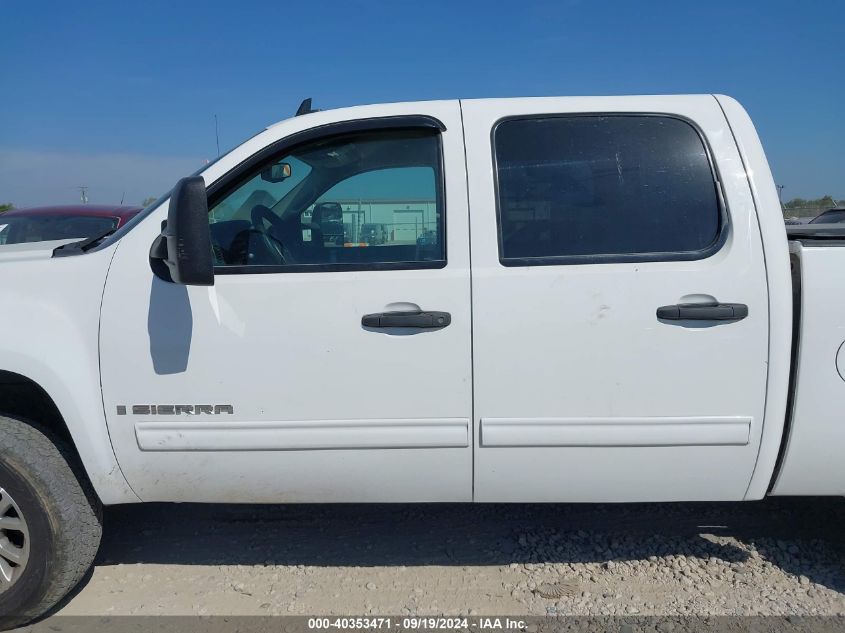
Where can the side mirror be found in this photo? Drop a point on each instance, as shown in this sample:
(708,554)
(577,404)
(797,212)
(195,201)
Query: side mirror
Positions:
(276,173)
(182,253)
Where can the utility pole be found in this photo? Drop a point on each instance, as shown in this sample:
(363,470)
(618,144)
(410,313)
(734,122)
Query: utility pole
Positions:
(83,193)
(780,194)
(216,136)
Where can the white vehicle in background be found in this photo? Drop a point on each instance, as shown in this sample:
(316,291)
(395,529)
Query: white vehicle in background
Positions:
(578,299)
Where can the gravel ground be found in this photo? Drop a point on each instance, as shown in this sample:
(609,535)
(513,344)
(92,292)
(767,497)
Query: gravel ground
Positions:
(781,556)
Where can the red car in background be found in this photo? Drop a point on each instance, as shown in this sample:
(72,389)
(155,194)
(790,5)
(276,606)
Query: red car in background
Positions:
(39,224)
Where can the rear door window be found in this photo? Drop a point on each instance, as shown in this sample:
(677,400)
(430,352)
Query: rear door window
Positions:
(604,188)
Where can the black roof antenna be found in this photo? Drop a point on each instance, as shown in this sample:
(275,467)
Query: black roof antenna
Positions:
(305,107)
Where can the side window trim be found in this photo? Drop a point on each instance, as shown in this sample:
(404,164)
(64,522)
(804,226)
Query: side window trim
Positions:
(277,149)
(612,258)
(241,173)
(328,268)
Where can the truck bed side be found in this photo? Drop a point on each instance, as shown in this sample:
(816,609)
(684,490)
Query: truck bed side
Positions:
(812,461)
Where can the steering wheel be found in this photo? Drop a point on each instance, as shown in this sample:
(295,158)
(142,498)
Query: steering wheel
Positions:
(260,213)
(257,248)
(274,248)
(268,245)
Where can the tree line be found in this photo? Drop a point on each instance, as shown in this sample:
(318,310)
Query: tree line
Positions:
(796,206)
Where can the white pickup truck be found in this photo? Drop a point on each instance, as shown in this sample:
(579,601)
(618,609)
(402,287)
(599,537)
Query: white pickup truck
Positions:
(570,299)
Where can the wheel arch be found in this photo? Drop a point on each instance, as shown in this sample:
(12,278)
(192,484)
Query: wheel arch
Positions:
(30,400)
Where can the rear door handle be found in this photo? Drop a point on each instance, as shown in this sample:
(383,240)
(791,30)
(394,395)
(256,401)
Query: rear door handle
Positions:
(412,319)
(703,312)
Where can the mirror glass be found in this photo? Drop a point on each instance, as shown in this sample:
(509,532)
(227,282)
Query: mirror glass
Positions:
(276,173)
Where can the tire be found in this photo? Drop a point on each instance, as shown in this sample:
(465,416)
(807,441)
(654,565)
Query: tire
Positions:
(61,525)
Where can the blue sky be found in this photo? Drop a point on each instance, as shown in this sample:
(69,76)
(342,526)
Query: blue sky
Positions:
(121,96)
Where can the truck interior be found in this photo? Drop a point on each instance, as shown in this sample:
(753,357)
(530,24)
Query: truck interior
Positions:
(302,226)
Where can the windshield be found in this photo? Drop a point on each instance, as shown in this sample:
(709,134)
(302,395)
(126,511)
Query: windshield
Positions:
(38,228)
(258,191)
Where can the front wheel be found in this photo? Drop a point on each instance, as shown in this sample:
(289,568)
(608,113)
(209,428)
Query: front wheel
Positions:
(50,522)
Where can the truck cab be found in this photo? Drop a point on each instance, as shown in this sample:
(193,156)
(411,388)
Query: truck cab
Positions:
(560,229)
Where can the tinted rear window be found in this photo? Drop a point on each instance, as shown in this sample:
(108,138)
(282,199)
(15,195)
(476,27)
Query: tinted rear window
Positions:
(617,187)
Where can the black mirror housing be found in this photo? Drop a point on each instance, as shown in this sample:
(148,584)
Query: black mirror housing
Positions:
(182,253)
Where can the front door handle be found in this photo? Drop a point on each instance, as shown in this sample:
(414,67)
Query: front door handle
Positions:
(411,319)
(703,312)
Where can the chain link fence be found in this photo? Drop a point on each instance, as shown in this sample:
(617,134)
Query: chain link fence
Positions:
(801,215)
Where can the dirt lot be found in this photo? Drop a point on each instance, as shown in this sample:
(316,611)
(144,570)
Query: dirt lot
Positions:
(772,557)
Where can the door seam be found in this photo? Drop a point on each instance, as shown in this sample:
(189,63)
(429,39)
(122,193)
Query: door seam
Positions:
(768,296)
(471,308)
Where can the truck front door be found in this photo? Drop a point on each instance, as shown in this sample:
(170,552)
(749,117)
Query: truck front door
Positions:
(306,373)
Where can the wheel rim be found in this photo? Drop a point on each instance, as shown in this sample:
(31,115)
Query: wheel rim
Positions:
(14,541)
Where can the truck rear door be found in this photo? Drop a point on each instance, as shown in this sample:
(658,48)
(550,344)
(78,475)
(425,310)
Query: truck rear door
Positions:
(620,318)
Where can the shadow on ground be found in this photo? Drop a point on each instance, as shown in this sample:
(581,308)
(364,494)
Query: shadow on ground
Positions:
(787,532)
